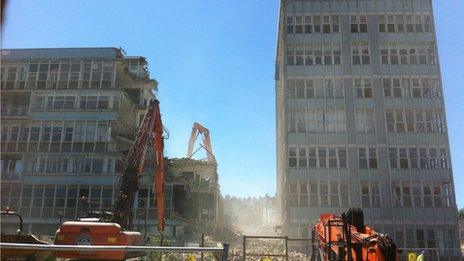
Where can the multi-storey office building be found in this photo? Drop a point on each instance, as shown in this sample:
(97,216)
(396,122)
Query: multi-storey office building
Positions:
(67,115)
(361,119)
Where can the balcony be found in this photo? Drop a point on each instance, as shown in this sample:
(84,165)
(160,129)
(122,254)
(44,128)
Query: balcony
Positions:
(15,111)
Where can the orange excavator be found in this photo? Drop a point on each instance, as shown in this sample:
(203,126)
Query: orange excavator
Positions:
(346,238)
(114,230)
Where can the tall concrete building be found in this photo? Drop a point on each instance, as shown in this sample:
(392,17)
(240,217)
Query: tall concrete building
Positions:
(68,116)
(361,120)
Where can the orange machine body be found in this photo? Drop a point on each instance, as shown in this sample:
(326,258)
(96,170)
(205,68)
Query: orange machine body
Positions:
(96,233)
(331,237)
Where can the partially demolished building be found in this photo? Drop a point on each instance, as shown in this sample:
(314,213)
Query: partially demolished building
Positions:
(67,115)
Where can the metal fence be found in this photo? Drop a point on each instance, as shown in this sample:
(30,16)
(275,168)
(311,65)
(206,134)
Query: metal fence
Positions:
(224,250)
(284,254)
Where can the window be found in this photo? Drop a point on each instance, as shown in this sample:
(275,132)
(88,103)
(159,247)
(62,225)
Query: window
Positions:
(370,195)
(363,88)
(335,24)
(448,195)
(322,157)
(317,24)
(313,194)
(326,24)
(365,121)
(367,158)
(290,56)
(302,160)
(292,160)
(324,194)
(392,87)
(360,54)
(289,24)
(365,198)
(393,158)
(290,85)
(88,102)
(307,24)
(334,195)
(404,164)
(298,24)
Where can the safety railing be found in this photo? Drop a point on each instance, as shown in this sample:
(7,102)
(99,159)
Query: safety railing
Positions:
(224,250)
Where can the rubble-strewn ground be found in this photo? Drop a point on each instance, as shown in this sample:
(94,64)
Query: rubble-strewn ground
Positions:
(261,246)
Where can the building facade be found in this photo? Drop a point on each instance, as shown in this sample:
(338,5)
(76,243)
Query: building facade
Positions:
(361,120)
(68,117)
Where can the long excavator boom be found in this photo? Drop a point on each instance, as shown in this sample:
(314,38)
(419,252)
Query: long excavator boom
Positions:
(151,129)
(91,231)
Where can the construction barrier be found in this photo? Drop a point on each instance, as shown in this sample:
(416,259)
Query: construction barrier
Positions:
(224,250)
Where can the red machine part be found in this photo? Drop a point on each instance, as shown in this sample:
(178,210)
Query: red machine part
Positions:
(116,232)
(150,129)
(336,239)
(197,130)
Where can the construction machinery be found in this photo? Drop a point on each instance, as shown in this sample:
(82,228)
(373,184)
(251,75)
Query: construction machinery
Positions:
(94,230)
(18,236)
(347,238)
(197,130)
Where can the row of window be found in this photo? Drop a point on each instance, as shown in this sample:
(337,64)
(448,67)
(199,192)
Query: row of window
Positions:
(417,195)
(402,54)
(58,75)
(405,23)
(53,164)
(316,120)
(413,87)
(49,201)
(415,121)
(321,157)
(70,164)
(399,158)
(316,54)
(419,158)
(56,131)
(425,237)
(334,121)
(360,55)
(308,24)
(391,23)
(73,102)
(315,88)
(425,195)
(324,194)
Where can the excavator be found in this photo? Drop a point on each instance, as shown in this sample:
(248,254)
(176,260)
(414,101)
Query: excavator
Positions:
(115,229)
(346,238)
(197,130)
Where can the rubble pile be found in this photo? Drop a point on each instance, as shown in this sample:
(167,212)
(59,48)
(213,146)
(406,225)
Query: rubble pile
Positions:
(265,247)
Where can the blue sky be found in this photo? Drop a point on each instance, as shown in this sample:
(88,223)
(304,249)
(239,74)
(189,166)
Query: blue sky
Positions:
(214,61)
